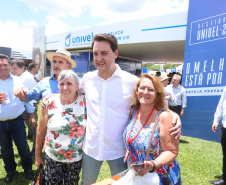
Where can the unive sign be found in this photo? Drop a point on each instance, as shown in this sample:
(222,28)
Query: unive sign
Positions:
(208,29)
(78,40)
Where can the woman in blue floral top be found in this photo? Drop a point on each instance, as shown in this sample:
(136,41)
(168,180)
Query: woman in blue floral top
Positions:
(61,130)
(148,107)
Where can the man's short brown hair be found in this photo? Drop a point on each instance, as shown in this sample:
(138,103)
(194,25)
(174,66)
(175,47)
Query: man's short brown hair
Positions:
(111,39)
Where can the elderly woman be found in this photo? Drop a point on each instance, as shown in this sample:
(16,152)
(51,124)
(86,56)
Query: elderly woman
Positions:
(62,128)
(148,108)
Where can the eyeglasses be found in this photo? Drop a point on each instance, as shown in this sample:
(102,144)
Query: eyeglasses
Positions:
(148,89)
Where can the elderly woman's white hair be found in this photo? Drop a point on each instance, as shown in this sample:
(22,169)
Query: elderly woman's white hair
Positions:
(68,74)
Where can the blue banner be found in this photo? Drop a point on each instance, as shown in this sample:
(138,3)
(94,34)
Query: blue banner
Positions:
(204,73)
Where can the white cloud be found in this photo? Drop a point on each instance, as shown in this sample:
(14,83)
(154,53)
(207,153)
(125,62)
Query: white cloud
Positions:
(11,35)
(55,26)
(30,23)
(58,8)
(113,12)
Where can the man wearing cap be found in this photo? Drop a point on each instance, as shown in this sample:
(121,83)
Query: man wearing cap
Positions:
(165,80)
(178,100)
(61,60)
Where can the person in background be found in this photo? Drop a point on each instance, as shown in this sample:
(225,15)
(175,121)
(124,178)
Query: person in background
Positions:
(18,67)
(37,59)
(219,115)
(158,73)
(108,92)
(33,69)
(61,60)
(147,107)
(62,129)
(12,126)
(178,100)
(165,80)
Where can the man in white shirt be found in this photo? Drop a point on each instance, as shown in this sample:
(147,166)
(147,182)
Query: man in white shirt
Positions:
(12,127)
(108,92)
(219,115)
(178,100)
(18,67)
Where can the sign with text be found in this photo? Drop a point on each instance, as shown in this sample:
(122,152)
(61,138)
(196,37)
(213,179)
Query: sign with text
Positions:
(204,73)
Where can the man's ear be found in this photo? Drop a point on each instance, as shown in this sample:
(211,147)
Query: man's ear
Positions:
(116,53)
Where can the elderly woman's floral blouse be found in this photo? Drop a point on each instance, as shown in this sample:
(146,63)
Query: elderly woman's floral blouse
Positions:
(139,147)
(65,128)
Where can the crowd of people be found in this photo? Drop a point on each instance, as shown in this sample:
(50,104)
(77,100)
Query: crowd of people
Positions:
(110,115)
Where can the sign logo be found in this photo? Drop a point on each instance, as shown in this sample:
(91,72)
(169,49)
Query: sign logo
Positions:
(68,40)
(78,40)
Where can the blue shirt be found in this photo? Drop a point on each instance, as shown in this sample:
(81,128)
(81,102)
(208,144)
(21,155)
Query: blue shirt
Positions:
(16,107)
(46,86)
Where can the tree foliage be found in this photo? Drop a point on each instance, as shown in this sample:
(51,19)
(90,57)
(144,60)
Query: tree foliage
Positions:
(153,67)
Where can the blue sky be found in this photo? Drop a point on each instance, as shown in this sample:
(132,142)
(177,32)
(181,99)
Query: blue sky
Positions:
(19,17)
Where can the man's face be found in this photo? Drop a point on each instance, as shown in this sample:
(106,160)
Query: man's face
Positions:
(165,82)
(16,70)
(36,69)
(104,57)
(60,64)
(175,81)
(4,69)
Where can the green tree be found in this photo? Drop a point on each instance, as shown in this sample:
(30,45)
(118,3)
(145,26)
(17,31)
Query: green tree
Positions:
(148,66)
(167,66)
(175,65)
(155,68)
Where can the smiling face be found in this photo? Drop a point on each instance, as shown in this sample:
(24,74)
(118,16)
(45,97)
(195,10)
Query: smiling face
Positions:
(4,69)
(104,59)
(146,92)
(68,88)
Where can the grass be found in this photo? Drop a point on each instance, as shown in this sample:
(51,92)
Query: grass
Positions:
(200,161)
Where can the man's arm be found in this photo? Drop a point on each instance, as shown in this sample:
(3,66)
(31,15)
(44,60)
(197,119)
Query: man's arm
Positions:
(182,111)
(176,130)
(20,93)
(184,101)
(219,112)
(33,94)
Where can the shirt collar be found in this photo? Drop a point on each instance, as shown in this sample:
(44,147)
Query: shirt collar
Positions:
(116,73)
(23,74)
(177,87)
(52,78)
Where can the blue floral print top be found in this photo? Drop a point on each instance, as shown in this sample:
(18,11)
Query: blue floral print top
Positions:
(139,147)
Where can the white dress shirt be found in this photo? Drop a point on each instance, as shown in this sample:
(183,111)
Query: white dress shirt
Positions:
(16,107)
(178,95)
(29,83)
(108,104)
(221,110)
